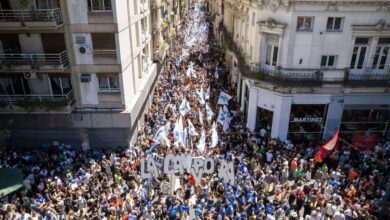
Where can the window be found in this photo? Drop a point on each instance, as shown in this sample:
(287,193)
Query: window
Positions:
(359,53)
(305,24)
(103,41)
(381,54)
(108,82)
(328,61)
(99,5)
(15,85)
(60,85)
(272,55)
(253,18)
(334,24)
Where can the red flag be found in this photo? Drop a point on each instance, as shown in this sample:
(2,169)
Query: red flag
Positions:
(364,142)
(327,149)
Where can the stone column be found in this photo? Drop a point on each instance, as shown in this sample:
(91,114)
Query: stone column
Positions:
(333,116)
(252,109)
(281,117)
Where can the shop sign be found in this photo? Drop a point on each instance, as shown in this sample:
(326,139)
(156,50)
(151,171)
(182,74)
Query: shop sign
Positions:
(308,119)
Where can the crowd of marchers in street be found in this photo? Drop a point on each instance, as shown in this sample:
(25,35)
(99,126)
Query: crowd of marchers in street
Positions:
(274,179)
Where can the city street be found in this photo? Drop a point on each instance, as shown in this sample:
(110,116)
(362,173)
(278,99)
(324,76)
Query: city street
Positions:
(194,156)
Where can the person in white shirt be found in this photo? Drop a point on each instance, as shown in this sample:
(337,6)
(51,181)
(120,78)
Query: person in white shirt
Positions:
(339,215)
(330,210)
(269,156)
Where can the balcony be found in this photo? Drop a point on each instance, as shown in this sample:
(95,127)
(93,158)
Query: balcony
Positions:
(36,102)
(286,76)
(35,61)
(35,18)
(367,76)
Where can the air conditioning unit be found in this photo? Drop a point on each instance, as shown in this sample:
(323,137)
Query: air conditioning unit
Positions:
(85,77)
(85,49)
(30,75)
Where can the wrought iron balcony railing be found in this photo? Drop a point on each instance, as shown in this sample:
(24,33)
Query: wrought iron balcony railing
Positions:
(35,59)
(33,15)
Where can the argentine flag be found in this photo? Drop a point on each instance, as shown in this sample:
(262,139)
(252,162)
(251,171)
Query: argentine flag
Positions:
(202,142)
(184,107)
(214,136)
(209,112)
(224,98)
(191,129)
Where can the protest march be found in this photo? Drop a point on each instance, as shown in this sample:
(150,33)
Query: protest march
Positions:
(194,158)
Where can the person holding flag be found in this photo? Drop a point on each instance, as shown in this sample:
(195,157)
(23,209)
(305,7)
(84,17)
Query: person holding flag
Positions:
(326,150)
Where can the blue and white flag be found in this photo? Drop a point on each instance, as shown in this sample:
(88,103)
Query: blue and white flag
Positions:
(207,94)
(162,133)
(200,94)
(178,132)
(191,129)
(221,117)
(228,118)
(224,98)
(184,107)
(209,113)
(200,117)
(214,136)
(185,137)
(202,142)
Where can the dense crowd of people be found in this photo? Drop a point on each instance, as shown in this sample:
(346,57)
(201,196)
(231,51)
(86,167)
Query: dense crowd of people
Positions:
(273,179)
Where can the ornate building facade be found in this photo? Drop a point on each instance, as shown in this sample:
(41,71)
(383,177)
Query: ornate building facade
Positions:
(307,68)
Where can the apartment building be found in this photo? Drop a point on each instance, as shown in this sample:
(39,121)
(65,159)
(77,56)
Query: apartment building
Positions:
(75,71)
(307,68)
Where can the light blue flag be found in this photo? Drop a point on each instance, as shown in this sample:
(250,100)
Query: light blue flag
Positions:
(200,115)
(162,133)
(185,137)
(209,113)
(184,107)
(202,142)
(191,129)
(214,136)
(224,98)
(207,94)
(178,133)
(221,117)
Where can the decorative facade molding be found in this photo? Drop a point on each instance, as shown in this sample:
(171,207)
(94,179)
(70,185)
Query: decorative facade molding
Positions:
(332,7)
(274,5)
(380,27)
(384,7)
(271,26)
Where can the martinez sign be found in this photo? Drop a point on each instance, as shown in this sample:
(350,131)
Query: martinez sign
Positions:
(196,166)
(308,119)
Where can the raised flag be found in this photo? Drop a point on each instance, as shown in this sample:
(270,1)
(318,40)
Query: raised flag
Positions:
(209,113)
(162,132)
(207,94)
(200,117)
(327,149)
(202,142)
(221,117)
(185,137)
(214,136)
(184,107)
(191,129)
(224,98)
(178,132)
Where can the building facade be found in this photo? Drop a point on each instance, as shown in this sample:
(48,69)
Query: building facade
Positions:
(308,68)
(76,71)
